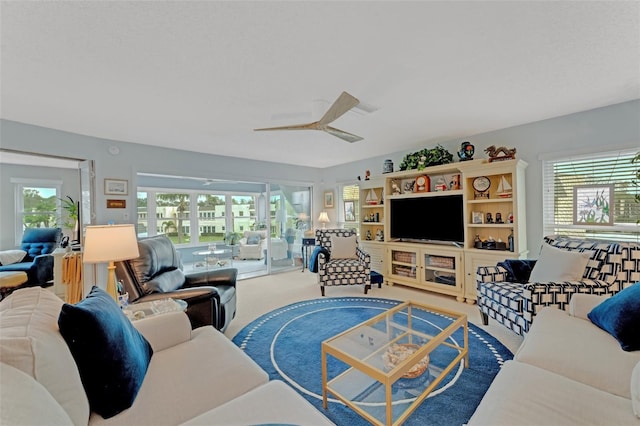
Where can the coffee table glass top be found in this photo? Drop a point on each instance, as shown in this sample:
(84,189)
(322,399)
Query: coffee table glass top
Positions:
(390,363)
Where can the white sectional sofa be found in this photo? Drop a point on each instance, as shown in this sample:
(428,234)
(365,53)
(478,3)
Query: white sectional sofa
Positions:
(566,372)
(196,376)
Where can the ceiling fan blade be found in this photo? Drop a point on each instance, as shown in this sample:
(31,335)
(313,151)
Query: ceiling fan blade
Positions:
(308,126)
(343,104)
(349,137)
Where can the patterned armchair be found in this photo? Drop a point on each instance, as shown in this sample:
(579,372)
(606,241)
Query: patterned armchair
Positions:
(340,271)
(612,267)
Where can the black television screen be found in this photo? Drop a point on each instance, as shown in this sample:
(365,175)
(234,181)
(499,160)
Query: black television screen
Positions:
(427,219)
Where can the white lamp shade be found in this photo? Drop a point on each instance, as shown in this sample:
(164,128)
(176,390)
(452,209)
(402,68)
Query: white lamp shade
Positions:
(323,218)
(110,243)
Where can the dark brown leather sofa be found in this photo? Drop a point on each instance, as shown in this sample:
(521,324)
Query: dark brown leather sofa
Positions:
(157,274)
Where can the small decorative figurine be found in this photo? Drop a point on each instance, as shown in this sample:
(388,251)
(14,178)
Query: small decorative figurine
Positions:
(367,175)
(510,217)
(477,242)
(466,151)
(500,153)
(379,235)
(368,235)
(395,188)
(499,218)
(387,167)
(489,218)
(455,182)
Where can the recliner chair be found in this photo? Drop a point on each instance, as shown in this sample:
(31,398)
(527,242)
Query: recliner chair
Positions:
(39,243)
(157,274)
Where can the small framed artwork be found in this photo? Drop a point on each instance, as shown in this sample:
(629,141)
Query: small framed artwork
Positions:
(349,211)
(408,185)
(477,217)
(592,205)
(116,187)
(328,199)
(116,204)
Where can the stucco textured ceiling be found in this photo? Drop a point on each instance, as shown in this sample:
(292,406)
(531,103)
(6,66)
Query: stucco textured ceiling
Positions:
(201,75)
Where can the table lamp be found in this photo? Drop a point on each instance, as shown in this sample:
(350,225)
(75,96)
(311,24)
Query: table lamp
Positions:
(109,244)
(324,219)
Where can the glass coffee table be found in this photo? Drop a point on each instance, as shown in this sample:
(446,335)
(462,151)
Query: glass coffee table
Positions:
(394,361)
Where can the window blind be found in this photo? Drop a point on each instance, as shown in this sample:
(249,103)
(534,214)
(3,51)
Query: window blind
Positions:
(562,175)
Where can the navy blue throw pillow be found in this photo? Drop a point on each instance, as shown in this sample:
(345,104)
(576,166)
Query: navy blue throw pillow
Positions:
(111,355)
(620,317)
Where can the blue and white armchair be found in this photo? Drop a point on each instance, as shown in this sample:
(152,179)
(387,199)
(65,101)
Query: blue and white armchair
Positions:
(355,270)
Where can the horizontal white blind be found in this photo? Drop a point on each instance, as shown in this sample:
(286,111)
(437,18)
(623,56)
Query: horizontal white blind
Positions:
(560,176)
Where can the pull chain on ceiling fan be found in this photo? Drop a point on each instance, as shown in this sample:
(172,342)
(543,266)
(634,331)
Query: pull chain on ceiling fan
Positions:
(343,104)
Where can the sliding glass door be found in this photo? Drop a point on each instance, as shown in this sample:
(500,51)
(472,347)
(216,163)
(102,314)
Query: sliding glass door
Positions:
(258,226)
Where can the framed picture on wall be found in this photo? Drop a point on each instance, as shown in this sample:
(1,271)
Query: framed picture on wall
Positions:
(349,211)
(116,187)
(592,205)
(328,199)
(477,217)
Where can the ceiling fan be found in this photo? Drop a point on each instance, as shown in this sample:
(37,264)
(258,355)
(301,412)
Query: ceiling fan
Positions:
(343,104)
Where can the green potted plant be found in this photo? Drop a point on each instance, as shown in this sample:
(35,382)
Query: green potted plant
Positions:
(426,157)
(231,238)
(71,208)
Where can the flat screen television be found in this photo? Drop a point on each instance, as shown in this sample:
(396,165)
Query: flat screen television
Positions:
(427,219)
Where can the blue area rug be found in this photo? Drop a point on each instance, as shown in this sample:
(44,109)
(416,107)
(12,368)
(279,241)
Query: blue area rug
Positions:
(287,344)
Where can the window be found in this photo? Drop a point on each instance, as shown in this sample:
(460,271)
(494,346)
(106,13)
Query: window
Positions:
(174,222)
(590,176)
(210,217)
(351,206)
(37,204)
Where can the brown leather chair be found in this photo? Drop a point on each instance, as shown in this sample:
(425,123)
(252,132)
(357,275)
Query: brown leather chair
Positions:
(157,274)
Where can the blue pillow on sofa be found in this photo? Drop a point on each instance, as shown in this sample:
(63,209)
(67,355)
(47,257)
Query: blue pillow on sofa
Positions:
(111,355)
(620,317)
(253,240)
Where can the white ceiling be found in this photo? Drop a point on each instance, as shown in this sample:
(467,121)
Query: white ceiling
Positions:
(201,75)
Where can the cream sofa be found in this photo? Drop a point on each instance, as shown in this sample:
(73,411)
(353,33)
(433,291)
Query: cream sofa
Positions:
(196,376)
(566,372)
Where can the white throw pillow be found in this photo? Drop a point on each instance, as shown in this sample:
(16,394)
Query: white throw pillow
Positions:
(343,247)
(8,257)
(635,390)
(555,264)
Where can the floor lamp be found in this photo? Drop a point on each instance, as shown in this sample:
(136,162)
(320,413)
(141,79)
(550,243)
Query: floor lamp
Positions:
(109,244)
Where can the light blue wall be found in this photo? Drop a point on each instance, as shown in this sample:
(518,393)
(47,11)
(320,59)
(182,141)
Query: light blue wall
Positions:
(70,186)
(612,127)
(134,158)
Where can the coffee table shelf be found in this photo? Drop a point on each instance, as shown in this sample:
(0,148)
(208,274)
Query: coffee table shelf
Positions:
(374,388)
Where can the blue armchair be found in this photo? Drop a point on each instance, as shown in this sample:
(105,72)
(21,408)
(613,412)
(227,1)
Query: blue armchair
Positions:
(39,243)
